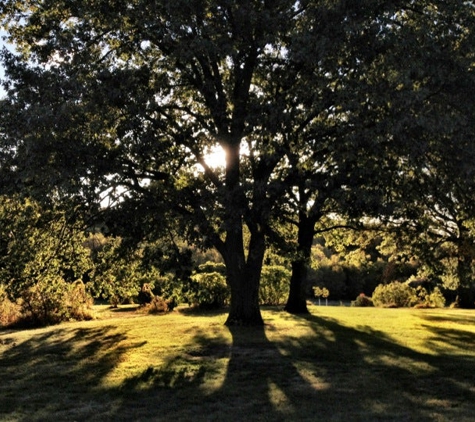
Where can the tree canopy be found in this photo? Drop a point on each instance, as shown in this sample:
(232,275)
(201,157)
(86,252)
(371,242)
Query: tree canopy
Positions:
(319,107)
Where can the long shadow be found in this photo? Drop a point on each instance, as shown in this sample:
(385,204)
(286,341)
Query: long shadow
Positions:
(269,385)
(67,367)
(464,318)
(388,381)
(257,382)
(333,373)
(329,373)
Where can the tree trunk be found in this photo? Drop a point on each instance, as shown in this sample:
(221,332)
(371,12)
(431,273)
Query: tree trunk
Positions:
(465,298)
(297,300)
(244,309)
(465,291)
(244,279)
(243,270)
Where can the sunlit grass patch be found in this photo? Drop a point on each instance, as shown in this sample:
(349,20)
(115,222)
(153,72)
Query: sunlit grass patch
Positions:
(339,363)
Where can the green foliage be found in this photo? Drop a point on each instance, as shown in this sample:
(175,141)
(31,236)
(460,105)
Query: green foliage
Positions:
(274,285)
(395,295)
(434,299)
(121,271)
(117,275)
(168,287)
(207,290)
(319,292)
(345,281)
(43,303)
(42,259)
(212,267)
(200,257)
(51,301)
(398,294)
(362,300)
(349,262)
(97,101)
(38,243)
(333,276)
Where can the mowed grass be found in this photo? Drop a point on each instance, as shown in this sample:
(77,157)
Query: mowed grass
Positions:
(339,363)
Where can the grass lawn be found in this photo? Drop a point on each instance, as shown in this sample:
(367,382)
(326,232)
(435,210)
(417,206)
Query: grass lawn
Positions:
(339,363)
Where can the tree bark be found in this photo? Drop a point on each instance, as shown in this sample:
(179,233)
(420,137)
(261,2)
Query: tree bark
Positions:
(244,279)
(244,309)
(465,291)
(297,300)
(465,298)
(243,270)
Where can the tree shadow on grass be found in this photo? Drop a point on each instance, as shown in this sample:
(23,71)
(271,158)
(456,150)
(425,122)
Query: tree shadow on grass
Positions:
(464,317)
(262,382)
(333,373)
(384,380)
(57,374)
(216,379)
(312,368)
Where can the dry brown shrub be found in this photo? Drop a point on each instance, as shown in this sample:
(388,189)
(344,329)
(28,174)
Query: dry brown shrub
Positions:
(159,305)
(10,312)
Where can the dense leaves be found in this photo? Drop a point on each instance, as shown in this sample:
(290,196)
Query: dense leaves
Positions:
(321,108)
(38,244)
(42,263)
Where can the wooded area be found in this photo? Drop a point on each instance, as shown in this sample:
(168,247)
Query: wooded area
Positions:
(337,119)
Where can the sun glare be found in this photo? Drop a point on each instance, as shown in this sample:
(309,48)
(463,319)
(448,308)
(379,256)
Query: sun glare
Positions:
(216,157)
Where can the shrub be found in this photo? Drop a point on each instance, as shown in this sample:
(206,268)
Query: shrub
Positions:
(430,300)
(207,290)
(168,287)
(274,285)
(42,303)
(394,295)
(362,300)
(44,246)
(158,305)
(52,300)
(78,302)
(212,267)
(437,299)
(116,275)
(9,311)
(145,295)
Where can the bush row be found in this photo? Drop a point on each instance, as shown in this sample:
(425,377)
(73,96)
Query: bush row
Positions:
(399,295)
(52,300)
(208,288)
(49,301)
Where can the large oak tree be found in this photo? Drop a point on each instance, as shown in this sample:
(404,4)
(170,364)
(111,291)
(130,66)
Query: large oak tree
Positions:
(133,95)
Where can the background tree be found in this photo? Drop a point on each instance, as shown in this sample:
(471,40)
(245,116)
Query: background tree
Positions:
(436,209)
(42,261)
(342,158)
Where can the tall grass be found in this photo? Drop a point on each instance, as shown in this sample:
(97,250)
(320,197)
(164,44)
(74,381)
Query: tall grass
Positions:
(338,363)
